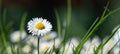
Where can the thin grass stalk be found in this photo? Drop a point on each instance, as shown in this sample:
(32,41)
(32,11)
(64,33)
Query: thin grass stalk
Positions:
(4,41)
(106,8)
(68,21)
(69,10)
(4,17)
(22,25)
(94,23)
(12,49)
(18,51)
(58,28)
(3,36)
(58,23)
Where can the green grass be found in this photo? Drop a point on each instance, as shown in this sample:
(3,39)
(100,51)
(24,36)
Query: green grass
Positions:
(99,23)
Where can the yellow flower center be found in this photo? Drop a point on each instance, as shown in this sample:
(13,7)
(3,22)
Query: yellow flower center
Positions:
(46,47)
(110,44)
(27,48)
(65,50)
(42,53)
(18,36)
(40,26)
(47,36)
(31,40)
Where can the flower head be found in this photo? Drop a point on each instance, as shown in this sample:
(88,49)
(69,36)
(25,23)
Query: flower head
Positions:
(17,35)
(90,46)
(46,46)
(49,36)
(26,49)
(39,26)
(31,40)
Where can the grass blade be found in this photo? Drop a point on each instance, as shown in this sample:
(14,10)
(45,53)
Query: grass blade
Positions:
(106,8)
(58,23)
(3,34)
(12,49)
(4,41)
(69,10)
(4,17)
(22,24)
(94,23)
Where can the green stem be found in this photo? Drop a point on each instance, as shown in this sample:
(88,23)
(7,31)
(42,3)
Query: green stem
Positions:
(38,44)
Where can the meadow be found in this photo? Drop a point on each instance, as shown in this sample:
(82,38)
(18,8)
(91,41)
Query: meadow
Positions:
(38,35)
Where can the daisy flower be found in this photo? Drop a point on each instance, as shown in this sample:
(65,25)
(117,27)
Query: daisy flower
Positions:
(67,49)
(74,42)
(45,47)
(116,36)
(55,42)
(31,40)
(90,45)
(15,36)
(108,46)
(116,50)
(49,36)
(26,49)
(9,49)
(39,26)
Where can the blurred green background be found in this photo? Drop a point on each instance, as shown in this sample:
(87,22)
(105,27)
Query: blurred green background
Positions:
(84,13)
